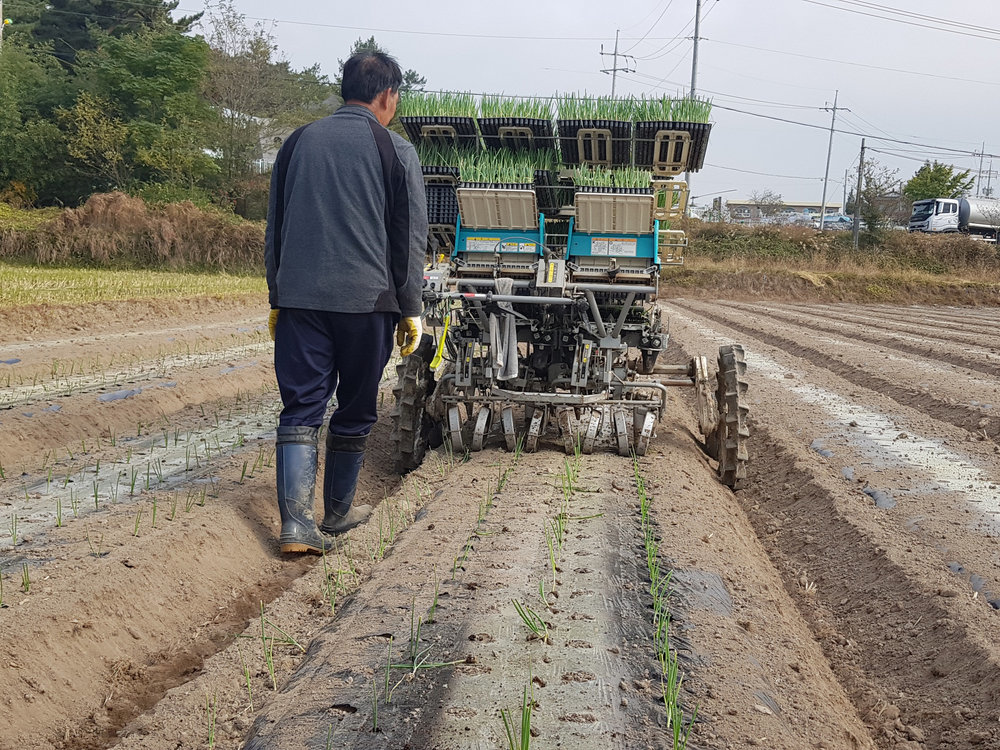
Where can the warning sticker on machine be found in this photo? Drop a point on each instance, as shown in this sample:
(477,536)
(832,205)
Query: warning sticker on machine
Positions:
(613,246)
(518,247)
(496,245)
(481,244)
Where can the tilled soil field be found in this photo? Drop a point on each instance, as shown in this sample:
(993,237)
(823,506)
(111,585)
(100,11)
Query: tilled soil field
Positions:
(846,596)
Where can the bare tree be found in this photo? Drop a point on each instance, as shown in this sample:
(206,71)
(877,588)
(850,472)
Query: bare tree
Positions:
(768,203)
(879,196)
(258,97)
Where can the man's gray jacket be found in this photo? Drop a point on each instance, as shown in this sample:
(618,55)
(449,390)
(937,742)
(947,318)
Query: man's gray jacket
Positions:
(347,219)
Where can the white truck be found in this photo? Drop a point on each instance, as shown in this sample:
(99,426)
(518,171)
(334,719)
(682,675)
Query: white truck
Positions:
(974,216)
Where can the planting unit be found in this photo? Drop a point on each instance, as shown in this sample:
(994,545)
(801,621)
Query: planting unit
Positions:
(542,308)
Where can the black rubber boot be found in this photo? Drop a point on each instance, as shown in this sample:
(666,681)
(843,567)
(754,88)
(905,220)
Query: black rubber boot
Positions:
(295,450)
(344,457)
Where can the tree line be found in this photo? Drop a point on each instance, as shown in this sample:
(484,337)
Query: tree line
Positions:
(101,95)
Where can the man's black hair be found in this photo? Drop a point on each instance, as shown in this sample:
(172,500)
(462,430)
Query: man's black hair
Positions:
(367,74)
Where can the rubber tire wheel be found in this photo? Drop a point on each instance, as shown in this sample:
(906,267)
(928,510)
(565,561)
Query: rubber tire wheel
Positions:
(412,428)
(732,432)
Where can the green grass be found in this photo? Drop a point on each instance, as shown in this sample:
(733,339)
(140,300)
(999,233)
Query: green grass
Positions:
(498,105)
(25,218)
(625,177)
(503,166)
(32,285)
(433,104)
(668,109)
(585,107)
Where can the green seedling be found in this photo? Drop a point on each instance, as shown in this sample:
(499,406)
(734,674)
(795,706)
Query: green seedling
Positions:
(138,517)
(246,676)
(552,554)
(173,506)
(415,624)
(2,605)
(558,525)
(535,624)
(96,501)
(388,669)
(74,504)
(25,578)
(58,511)
(95,549)
(268,646)
(330,587)
(13,529)
(374,707)
(154,511)
(211,709)
(519,740)
(434,604)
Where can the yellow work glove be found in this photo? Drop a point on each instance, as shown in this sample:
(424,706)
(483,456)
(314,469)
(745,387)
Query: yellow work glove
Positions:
(408,334)
(272,322)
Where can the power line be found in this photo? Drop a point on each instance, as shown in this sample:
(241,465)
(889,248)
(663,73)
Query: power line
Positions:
(653,26)
(919,16)
(678,38)
(380,30)
(855,64)
(765,174)
(917,158)
(822,127)
(639,24)
(746,98)
(900,20)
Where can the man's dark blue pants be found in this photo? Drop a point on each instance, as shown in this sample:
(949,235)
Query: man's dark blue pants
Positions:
(317,353)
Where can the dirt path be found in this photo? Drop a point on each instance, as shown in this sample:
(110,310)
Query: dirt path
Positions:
(846,597)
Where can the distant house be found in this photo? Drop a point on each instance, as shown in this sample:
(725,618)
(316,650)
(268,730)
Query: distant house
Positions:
(270,144)
(748,212)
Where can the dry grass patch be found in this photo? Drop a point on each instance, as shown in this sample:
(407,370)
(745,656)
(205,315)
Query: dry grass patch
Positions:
(115,229)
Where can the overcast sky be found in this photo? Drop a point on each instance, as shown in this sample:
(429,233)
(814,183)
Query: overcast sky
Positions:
(922,71)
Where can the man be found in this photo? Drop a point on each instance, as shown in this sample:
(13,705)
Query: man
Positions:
(345,242)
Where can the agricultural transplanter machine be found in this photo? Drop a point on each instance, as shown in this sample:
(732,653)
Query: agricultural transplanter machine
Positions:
(546,325)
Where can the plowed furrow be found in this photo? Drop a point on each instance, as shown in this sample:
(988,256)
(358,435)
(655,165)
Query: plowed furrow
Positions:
(972,418)
(973,354)
(910,321)
(850,324)
(891,638)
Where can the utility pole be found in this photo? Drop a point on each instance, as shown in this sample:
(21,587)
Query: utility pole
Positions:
(829,152)
(613,70)
(857,196)
(694,54)
(694,75)
(979,177)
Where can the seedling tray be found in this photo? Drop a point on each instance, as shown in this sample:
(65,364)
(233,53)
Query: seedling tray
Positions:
(614,190)
(547,191)
(645,137)
(529,133)
(442,204)
(621,142)
(430,170)
(465,133)
(498,185)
